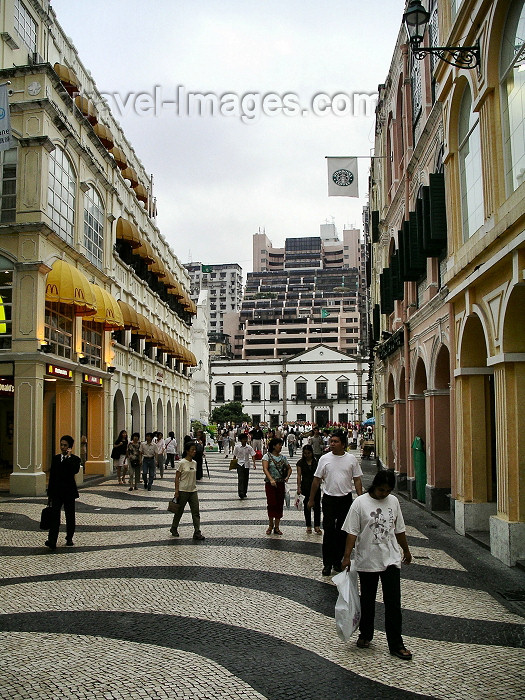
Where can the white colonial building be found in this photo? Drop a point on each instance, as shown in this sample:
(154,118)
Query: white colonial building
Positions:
(320,385)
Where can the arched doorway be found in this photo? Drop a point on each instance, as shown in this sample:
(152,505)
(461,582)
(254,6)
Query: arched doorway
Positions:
(169,417)
(160,417)
(178,427)
(185,424)
(439,443)
(389,425)
(119,414)
(400,415)
(148,415)
(135,415)
(417,399)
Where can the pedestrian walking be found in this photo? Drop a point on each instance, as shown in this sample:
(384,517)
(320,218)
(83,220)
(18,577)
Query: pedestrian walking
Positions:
(376,530)
(244,454)
(291,440)
(306,467)
(134,457)
(171,449)
(276,474)
(317,442)
(186,492)
(200,444)
(148,451)
(160,451)
(118,455)
(336,469)
(62,491)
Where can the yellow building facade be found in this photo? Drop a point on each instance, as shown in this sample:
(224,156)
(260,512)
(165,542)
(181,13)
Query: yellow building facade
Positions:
(459,307)
(95,313)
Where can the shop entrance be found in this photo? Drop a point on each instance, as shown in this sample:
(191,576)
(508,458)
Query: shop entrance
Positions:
(7,424)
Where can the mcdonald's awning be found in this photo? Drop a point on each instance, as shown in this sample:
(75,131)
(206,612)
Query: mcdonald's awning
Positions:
(119,156)
(141,192)
(105,135)
(65,284)
(175,288)
(67,77)
(87,108)
(145,251)
(127,231)
(130,174)
(145,329)
(108,310)
(129,315)
(157,268)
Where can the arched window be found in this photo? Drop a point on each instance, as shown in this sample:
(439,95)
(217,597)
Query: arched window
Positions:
(512,76)
(471,182)
(61,194)
(93,226)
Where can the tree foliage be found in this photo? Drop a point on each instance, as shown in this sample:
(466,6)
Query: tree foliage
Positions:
(230,412)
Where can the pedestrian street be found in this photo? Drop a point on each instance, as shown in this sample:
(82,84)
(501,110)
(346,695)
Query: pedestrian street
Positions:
(132,612)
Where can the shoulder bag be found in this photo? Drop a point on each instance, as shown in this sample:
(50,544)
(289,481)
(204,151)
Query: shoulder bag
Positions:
(234,463)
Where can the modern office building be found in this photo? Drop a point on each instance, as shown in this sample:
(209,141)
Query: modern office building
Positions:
(447,230)
(224,285)
(95,312)
(311,291)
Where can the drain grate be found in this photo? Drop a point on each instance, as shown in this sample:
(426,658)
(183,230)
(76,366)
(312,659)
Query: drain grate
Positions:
(513,595)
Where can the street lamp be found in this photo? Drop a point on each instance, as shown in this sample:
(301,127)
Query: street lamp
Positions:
(416,19)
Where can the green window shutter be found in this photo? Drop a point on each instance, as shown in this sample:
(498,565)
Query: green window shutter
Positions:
(433,247)
(376,323)
(418,261)
(397,281)
(385,289)
(438,210)
(375,227)
(368,266)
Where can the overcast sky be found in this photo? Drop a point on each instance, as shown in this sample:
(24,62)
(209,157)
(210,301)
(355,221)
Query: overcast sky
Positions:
(218,179)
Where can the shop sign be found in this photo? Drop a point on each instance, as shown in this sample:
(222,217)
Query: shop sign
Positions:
(7,386)
(91,379)
(61,372)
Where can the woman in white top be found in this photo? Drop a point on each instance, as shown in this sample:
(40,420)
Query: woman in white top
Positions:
(186,491)
(171,449)
(376,528)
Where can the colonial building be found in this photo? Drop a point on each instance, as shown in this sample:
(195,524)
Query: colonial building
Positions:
(95,310)
(320,385)
(447,210)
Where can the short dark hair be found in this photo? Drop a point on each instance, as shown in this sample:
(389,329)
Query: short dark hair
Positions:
(273,442)
(135,435)
(385,476)
(150,434)
(67,438)
(342,435)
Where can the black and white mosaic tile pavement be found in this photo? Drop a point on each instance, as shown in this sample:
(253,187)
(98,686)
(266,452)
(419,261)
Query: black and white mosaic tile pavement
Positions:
(130,612)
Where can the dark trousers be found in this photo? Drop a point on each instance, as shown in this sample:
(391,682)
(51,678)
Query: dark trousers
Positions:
(69,510)
(170,459)
(335,510)
(243,476)
(199,459)
(391,585)
(316,508)
(192,498)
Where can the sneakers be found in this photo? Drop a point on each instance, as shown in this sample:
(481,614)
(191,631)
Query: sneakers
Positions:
(198,536)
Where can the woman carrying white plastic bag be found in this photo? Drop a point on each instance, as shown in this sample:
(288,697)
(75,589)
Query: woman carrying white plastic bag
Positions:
(348,605)
(376,528)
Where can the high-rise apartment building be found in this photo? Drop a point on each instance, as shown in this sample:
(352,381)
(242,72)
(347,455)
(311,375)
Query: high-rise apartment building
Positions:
(224,285)
(310,291)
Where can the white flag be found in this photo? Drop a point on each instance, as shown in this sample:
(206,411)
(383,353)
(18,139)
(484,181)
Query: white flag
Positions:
(5,120)
(342,177)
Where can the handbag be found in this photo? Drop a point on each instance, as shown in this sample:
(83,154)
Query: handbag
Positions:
(173,505)
(45,518)
(234,463)
(286,495)
(258,454)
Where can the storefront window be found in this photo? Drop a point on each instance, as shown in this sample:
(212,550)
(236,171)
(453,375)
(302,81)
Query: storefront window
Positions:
(6,300)
(58,329)
(512,72)
(92,343)
(93,226)
(61,195)
(470,169)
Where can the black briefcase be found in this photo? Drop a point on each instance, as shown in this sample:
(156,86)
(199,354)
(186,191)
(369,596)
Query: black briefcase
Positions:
(45,518)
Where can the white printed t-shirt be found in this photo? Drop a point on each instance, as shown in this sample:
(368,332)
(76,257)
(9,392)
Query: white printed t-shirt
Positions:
(375,522)
(243,454)
(337,473)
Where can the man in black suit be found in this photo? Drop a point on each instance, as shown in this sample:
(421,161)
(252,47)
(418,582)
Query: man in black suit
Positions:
(62,491)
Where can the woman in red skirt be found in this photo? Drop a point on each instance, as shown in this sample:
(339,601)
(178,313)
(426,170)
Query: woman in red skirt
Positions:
(276,474)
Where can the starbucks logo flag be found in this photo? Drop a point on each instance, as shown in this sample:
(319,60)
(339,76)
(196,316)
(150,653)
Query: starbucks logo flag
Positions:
(342,177)
(5,120)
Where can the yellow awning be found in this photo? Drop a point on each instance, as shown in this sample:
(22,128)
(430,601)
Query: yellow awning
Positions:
(145,251)
(108,310)
(67,77)
(130,174)
(141,192)
(130,316)
(157,268)
(127,231)
(119,156)
(105,135)
(87,108)
(67,285)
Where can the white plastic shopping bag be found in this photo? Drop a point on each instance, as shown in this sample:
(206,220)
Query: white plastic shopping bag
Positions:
(348,605)
(299,500)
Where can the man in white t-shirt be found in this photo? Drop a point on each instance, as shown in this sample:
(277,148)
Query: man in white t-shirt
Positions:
(244,454)
(337,470)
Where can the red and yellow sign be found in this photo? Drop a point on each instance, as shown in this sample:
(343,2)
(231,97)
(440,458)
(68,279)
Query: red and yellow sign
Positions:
(91,379)
(61,372)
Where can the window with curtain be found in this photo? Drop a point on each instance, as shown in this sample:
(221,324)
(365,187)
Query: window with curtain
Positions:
(8,163)
(470,168)
(93,226)
(61,195)
(512,76)
(6,301)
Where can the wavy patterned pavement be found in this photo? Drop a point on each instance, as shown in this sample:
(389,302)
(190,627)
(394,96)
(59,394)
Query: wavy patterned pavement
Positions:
(131,612)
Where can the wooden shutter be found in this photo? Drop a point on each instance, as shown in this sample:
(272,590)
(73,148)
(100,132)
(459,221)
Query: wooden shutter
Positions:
(385,289)
(375,227)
